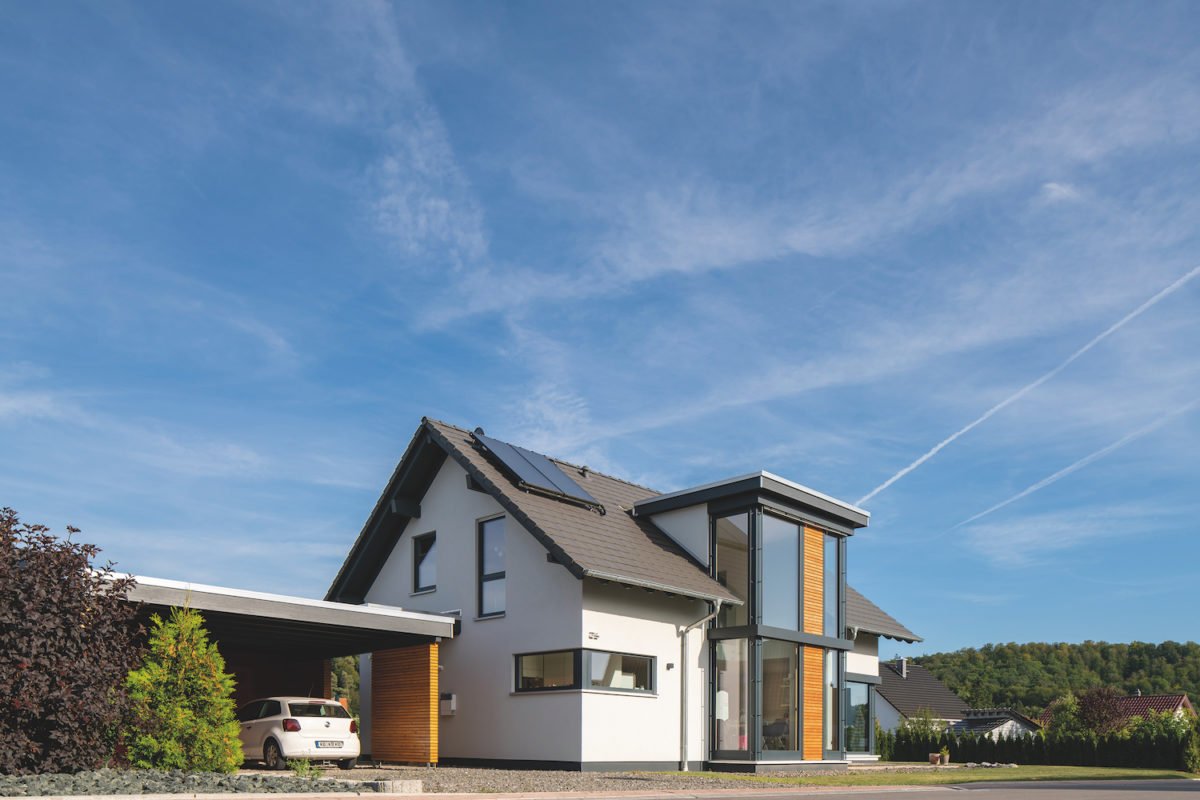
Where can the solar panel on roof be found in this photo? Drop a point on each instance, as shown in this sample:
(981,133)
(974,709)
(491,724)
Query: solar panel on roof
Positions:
(535,470)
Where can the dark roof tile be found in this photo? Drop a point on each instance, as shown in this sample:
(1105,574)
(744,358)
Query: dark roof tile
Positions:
(917,691)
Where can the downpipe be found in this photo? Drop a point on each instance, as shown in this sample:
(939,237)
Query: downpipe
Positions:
(683,685)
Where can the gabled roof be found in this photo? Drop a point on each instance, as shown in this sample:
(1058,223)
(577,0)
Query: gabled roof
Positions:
(861,613)
(613,546)
(920,689)
(1142,705)
(986,720)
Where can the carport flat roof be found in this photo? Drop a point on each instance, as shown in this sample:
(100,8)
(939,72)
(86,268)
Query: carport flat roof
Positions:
(276,623)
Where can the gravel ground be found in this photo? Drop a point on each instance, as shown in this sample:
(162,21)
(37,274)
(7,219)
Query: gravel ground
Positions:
(138,781)
(465,779)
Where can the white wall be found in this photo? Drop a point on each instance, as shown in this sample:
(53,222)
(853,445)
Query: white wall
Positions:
(543,611)
(620,727)
(864,658)
(688,527)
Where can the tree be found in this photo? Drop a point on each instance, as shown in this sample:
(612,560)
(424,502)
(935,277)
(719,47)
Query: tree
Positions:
(346,681)
(1064,715)
(1100,710)
(183,700)
(923,723)
(67,639)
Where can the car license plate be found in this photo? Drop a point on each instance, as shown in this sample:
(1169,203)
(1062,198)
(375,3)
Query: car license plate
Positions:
(324,743)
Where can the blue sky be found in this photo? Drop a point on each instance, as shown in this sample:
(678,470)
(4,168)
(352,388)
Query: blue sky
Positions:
(245,247)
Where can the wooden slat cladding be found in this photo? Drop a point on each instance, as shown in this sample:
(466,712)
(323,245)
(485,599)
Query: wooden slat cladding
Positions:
(404,704)
(813,712)
(814,580)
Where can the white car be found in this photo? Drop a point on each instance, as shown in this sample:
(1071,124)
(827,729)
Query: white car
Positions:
(275,729)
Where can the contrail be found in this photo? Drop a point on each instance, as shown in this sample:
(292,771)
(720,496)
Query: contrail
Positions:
(1083,462)
(1116,326)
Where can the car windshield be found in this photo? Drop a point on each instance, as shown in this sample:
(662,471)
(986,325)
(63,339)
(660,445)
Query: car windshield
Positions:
(318,710)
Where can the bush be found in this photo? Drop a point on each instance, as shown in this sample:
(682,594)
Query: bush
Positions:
(183,701)
(67,639)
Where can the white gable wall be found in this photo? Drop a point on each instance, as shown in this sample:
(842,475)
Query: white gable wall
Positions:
(864,658)
(688,527)
(886,714)
(626,727)
(542,612)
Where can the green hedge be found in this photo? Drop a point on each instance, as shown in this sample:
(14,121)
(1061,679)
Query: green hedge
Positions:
(1156,751)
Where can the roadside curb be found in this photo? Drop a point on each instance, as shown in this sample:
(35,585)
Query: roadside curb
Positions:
(676,794)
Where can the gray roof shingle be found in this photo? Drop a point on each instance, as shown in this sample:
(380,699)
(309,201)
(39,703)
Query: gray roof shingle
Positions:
(612,546)
(861,613)
(917,691)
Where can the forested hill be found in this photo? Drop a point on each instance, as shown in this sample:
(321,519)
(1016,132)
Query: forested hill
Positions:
(1028,676)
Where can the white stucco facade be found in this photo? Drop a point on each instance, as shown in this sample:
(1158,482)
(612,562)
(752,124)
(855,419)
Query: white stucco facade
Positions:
(864,658)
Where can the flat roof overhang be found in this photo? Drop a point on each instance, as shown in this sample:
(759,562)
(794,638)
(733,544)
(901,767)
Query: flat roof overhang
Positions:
(258,622)
(766,483)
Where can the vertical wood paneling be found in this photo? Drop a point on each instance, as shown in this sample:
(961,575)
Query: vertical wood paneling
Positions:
(812,702)
(404,704)
(814,580)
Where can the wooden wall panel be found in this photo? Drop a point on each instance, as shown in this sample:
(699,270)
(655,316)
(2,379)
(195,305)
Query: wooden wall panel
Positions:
(814,580)
(404,704)
(812,703)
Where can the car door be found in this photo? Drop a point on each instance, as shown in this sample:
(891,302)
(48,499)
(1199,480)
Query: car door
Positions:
(268,720)
(247,715)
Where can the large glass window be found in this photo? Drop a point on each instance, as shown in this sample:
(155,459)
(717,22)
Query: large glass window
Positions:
(491,567)
(832,578)
(781,573)
(858,717)
(832,715)
(780,696)
(733,565)
(620,671)
(731,706)
(425,562)
(537,671)
(601,670)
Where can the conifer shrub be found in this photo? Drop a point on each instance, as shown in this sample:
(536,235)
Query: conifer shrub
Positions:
(67,639)
(182,701)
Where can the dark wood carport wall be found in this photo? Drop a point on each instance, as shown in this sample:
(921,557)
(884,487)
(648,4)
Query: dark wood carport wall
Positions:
(280,645)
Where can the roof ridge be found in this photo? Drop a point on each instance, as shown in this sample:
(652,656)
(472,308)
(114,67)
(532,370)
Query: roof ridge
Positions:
(573,465)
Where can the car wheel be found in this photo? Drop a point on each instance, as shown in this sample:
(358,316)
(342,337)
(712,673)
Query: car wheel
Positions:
(273,756)
(347,763)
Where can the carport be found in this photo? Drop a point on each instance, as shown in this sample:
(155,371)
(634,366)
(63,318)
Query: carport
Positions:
(281,645)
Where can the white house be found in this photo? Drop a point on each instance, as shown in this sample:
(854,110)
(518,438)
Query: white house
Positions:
(604,625)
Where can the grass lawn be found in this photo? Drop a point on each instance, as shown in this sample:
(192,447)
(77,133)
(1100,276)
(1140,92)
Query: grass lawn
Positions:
(957,775)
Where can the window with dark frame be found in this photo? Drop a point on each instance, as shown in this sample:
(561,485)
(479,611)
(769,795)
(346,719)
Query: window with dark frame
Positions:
(491,567)
(585,669)
(425,562)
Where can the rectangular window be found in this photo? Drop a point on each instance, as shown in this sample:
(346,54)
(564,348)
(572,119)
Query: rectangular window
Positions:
(858,717)
(538,671)
(491,567)
(832,582)
(833,732)
(562,669)
(781,573)
(425,562)
(731,706)
(732,535)
(780,695)
(620,671)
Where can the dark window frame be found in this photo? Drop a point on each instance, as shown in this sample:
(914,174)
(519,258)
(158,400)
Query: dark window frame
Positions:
(417,542)
(487,577)
(581,663)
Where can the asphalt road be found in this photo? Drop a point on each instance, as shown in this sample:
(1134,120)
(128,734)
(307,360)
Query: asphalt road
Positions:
(1049,790)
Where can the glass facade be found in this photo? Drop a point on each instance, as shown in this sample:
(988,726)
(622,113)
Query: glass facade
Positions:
(731,703)
(732,534)
(858,717)
(781,573)
(779,672)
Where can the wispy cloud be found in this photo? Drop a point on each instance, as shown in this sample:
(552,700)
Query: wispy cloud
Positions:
(1029,387)
(1086,460)
(1042,538)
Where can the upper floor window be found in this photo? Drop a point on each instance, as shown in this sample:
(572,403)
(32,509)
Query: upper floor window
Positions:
(491,567)
(732,535)
(425,562)
(832,581)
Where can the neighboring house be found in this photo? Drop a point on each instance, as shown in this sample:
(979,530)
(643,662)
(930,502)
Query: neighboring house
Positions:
(906,689)
(604,625)
(998,723)
(867,623)
(1142,705)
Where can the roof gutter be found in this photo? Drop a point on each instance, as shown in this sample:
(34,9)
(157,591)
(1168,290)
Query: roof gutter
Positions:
(658,587)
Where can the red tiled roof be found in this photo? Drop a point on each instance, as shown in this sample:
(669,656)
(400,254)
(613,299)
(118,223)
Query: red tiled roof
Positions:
(1142,705)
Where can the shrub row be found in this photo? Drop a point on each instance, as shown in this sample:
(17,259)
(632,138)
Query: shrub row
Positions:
(1156,751)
